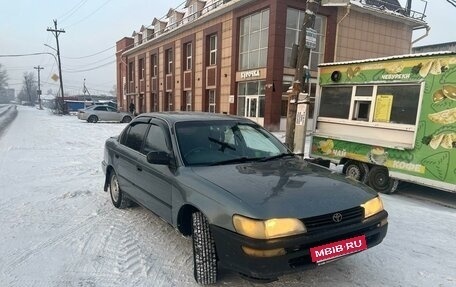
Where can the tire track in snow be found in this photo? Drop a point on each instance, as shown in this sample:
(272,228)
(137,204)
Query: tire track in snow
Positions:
(24,255)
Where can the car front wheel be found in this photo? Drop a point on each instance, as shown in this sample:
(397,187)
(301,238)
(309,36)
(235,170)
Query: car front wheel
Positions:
(117,197)
(204,254)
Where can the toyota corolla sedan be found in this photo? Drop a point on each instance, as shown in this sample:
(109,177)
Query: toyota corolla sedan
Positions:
(248,203)
(103,113)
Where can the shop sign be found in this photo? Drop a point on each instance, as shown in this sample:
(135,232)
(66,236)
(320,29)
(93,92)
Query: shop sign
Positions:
(250,74)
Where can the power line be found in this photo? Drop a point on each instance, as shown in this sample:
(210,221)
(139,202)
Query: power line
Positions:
(88,56)
(72,10)
(76,67)
(90,69)
(95,11)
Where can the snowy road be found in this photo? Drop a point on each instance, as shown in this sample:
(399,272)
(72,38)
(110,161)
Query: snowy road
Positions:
(58,227)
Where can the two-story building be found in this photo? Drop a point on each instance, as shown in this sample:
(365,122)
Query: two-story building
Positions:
(234,56)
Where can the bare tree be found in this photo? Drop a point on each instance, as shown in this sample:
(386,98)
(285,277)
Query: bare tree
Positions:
(29,88)
(3,78)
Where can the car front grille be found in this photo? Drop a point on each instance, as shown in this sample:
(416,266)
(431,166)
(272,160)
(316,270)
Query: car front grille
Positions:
(349,216)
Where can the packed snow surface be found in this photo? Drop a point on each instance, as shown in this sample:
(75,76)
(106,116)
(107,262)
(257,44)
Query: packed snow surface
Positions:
(58,227)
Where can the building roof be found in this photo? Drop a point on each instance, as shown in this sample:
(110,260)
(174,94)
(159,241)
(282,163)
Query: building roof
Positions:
(388,58)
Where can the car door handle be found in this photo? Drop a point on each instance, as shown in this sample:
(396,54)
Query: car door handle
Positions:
(116,155)
(139,168)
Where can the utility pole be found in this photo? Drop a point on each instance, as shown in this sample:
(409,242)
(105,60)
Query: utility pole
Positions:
(85,90)
(39,86)
(301,70)
(56,32)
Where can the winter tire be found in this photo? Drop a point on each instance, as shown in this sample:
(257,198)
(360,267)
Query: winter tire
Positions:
(117,197)
(380,180)
(356,170)
(204,254)
(92,119)
(126,119)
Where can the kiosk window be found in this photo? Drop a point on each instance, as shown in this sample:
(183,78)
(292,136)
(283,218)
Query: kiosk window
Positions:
(405,102)
(335,102)
(362,109)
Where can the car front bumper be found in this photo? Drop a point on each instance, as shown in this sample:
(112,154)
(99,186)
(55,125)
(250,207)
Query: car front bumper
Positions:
(230,254)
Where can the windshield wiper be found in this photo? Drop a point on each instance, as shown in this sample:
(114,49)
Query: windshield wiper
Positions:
(276,157)
(223,145)
(236,160)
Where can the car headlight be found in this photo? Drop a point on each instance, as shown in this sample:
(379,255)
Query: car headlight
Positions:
(268,229)
(372,207)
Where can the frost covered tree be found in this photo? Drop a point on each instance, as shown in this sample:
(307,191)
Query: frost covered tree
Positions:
(29,88)
(3,78)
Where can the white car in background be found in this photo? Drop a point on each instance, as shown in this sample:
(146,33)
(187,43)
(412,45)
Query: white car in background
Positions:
(105,113)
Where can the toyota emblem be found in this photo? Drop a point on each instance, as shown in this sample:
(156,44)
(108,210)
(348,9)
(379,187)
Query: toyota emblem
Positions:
(337,217)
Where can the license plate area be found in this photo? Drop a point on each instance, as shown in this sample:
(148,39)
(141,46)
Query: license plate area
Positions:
(329,252)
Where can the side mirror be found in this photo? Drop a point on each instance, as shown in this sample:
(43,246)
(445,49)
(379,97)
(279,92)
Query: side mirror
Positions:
(158,157)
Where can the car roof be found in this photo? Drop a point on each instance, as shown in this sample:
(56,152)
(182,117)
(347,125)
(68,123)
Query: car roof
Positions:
(173,117)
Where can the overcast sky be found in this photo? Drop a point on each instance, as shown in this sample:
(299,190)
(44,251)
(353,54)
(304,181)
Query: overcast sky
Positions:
(93,27)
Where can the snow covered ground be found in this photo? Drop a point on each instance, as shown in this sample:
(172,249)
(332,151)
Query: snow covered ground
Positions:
(58,227)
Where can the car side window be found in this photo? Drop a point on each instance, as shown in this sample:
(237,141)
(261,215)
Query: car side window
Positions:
(100,109)
(111,109)
(155,140)
(135,136)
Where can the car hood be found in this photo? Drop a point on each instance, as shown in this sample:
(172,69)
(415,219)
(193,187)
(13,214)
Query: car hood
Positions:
(287,187)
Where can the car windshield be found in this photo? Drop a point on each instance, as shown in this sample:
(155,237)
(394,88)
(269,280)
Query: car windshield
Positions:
(225,142)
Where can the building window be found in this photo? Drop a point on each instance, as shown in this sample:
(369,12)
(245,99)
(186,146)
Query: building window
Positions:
(295,19)
(141,69)
(131,71)
(253,42)
(172,20)
(169,61)
(251,97)
(154,102)
(154,65)
(317,54)
(192,12)
(212,100)
(157,29)
(213,50)
(168,101)
(188,101)
(188,56)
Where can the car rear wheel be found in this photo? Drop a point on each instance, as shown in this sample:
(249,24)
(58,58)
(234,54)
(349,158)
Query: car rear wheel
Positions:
(204,254)
(117,197)
(92,119)
(126,119)
(380,180)
(356,170)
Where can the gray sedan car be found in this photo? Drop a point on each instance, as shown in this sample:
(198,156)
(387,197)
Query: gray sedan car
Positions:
(104,113)
(247,202)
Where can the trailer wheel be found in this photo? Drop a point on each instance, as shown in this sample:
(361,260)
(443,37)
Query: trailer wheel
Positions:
(356,170)
(380,180)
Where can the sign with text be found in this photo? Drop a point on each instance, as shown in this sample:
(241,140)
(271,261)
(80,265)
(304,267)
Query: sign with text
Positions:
(311,38)
(382,112)
(337,249)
